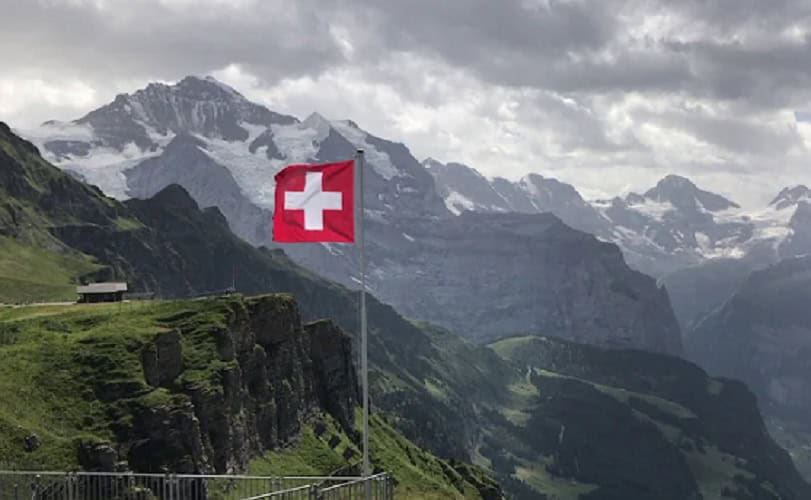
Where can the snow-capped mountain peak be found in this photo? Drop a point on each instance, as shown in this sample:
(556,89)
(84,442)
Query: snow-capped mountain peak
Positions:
(464,188)
(684,194)
(317,122)
(791,196)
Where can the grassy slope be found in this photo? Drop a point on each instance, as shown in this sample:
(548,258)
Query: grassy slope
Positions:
(715,471)
(30,274)
(417,473)
(54,355)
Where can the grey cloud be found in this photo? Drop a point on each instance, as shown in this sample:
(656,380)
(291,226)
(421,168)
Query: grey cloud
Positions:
(731,133)
(588,47)
(727,16)
(567,46)
(575,124)
(774,75)
(470,30)
(155,40)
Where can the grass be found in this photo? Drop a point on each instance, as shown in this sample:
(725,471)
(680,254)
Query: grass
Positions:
(418,474)
(508,348)
(311,455)
(555,488)
(57,358)
(624,395)
(127,224)
(714,470)
(29,274)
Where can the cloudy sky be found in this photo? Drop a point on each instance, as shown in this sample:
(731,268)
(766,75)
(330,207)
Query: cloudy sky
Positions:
(607,94)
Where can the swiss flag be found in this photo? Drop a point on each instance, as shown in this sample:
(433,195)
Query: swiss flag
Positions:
(315,203)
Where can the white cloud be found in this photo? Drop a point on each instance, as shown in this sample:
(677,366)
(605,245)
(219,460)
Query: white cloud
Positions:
(28,101)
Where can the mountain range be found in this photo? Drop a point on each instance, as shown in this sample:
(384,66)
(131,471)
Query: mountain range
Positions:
(671,226)
(236,384)
(427,262)
(225,149)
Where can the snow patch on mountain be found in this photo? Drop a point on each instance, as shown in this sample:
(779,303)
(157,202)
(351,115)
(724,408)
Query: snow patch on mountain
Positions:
(105,167)
(458,203)
(252,171)
(100,165)
(297,142)
(656,210)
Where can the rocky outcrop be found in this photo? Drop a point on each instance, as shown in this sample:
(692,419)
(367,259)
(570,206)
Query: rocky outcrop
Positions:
(163,361)
(219,395)
(331,352)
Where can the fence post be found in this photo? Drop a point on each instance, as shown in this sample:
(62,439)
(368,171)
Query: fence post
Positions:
(35,487)
(167,487)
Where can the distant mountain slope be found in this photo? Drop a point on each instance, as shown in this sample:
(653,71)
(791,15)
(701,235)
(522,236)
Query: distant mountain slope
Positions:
(699,290)
(597,414)
(532,273)
(762,335)
(225,150)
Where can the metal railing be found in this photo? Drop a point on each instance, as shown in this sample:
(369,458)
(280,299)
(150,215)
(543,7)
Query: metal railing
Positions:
(377,487)
(302,492)
(23,485)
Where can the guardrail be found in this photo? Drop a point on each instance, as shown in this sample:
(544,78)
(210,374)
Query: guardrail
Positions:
(25,485)
(377,487)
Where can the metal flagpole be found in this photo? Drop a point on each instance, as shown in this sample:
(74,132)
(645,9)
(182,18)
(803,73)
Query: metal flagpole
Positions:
(363,333)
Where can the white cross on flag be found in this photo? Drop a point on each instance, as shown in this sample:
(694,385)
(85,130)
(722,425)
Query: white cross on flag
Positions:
(315,203)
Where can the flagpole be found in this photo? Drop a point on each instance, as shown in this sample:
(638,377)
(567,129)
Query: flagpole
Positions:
(363,328)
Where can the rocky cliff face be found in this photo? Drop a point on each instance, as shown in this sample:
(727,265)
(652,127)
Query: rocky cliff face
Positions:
(528,273)
(267,374)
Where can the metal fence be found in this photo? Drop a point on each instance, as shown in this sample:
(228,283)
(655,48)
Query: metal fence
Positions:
(17,485)
(379,487)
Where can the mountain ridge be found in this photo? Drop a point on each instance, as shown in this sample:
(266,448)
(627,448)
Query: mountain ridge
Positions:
(673,225)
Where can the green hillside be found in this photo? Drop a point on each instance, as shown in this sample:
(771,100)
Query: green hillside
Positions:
(75,377)
(31,274)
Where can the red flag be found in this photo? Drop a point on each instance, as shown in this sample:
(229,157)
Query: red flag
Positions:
(315,203)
